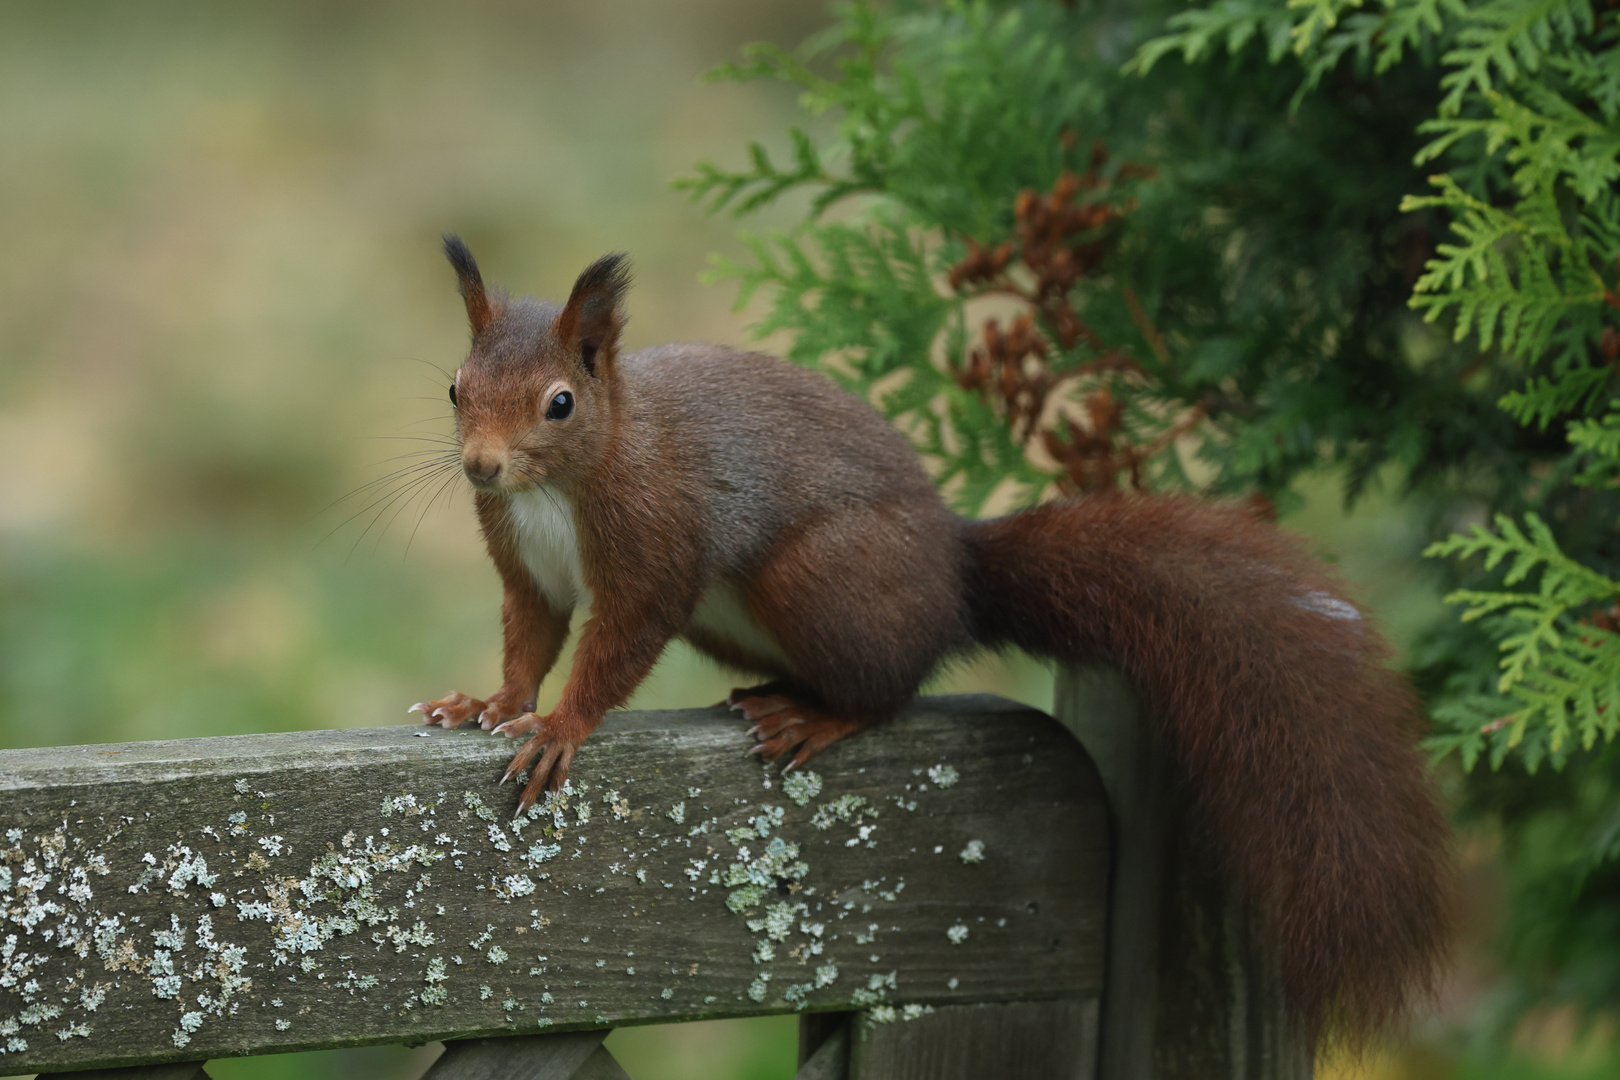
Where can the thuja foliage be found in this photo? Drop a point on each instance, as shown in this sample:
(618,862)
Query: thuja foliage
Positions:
(1249,268)
(1073,247)
(1524,142)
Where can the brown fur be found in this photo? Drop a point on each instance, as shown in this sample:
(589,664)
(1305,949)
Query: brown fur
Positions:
(697,474)
(1295,736)
(481,310)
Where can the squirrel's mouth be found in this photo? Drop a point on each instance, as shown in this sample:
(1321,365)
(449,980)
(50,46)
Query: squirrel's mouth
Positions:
(500,471)
(505,485)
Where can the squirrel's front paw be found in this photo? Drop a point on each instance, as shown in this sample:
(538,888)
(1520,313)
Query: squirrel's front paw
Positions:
(452,710)
(503,705)
(553,739)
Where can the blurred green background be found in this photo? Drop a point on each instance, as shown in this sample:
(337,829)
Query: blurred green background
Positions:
(223,309)
(223,314)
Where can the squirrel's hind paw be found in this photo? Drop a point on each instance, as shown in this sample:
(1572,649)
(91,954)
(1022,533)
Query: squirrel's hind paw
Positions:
(784,726)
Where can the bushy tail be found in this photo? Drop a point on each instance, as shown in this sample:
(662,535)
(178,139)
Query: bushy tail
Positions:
(1277,704)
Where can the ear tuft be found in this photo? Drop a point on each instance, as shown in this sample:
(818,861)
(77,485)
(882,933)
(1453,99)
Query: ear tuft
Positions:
(480,312)
(591,320)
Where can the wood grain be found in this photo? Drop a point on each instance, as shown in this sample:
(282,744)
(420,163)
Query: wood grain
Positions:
(186,1070)
(601,1066)
(519,1057)
(830,1059)
(1029,1040)
(259,894)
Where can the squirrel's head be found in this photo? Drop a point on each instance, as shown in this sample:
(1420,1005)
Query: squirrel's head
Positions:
(535,397)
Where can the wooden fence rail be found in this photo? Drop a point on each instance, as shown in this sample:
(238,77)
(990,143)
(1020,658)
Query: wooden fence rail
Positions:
(944,879)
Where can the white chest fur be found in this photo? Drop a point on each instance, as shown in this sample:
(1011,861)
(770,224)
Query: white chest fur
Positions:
(548,544)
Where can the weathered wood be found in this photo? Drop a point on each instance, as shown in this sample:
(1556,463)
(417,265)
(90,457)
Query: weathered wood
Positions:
(817,1028)
(1190,993)
(517,1057)
(261,894)
(178,1070)
(830,1059)
(1026,1040)
(601,1065)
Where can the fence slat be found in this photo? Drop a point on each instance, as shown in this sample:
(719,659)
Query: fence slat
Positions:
(830,1059)
(1027,1040)
(261,894)
(517,1057)
(179,1070)
(601,1066)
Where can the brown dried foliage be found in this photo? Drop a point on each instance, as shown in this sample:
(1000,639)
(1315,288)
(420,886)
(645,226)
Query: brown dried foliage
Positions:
(1062,236)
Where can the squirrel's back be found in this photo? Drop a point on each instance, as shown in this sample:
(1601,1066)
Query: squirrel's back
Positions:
(769,446)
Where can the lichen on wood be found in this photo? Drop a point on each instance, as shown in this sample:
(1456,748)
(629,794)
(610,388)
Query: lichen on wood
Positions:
(208,897)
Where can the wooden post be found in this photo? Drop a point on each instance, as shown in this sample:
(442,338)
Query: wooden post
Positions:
(1189,993)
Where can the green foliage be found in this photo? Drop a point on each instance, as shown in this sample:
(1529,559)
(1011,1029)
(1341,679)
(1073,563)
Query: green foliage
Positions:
(1527,279)
(1563,677)
(1374,236)
(944,111)
(1257,279)
(1528,127)
(947,114)
(1527,135)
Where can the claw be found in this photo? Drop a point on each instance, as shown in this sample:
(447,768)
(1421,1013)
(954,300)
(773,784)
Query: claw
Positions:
(420,706)
(789,729)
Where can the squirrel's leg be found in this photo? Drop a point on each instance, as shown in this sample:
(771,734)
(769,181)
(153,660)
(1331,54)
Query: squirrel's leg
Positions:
(859,634)
(533,633)
(534,638)
(618,647)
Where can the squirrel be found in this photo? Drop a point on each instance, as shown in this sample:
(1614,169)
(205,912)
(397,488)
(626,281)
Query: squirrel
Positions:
(783,528)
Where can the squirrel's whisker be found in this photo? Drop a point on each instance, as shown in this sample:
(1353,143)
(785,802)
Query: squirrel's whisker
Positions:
(384,492)
(443,486)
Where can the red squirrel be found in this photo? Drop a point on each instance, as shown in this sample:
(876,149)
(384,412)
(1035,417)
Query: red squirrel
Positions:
(784,529)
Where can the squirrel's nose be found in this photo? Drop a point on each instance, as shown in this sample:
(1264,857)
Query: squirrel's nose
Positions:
(481,466)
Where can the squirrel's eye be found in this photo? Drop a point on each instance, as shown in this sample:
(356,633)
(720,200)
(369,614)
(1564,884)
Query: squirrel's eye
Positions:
(561,407)
(453,402)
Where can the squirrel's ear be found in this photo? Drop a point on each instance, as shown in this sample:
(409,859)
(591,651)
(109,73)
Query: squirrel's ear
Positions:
(592,318)
(481,311)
